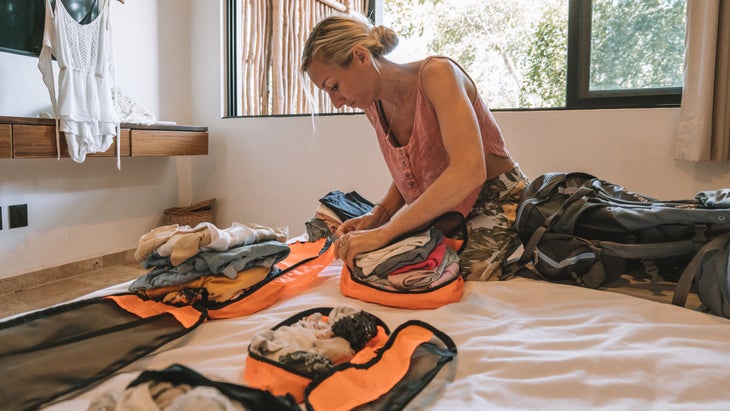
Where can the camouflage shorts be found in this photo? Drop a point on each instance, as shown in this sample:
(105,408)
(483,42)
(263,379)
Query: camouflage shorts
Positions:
(490,226)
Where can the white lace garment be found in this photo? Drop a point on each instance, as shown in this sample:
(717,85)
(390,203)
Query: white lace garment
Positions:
(84,108)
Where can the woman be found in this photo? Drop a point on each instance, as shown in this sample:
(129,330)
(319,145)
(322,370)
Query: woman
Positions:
(441,143)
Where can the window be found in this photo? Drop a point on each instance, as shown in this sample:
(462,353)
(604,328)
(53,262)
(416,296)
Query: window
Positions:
(625,53)
(525,54)
(265,41)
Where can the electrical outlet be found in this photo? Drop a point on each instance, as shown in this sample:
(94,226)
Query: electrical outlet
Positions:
(18,215)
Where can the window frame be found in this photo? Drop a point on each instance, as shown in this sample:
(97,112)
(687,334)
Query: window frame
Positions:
(232,86)
(578,93)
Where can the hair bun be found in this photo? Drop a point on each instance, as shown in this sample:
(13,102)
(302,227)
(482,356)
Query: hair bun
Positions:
(388,38)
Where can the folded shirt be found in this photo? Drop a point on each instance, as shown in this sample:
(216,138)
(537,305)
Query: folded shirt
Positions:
(409,250)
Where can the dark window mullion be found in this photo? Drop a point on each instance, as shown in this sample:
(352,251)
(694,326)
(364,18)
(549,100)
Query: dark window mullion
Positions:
(578,93)
(231,59)
(577,65)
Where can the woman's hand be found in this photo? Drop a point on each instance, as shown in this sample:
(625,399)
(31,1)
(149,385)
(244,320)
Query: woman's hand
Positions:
(356,242)
(356,235)
(375,218)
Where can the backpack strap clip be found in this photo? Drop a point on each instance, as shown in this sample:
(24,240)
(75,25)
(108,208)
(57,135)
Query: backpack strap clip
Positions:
(651,268)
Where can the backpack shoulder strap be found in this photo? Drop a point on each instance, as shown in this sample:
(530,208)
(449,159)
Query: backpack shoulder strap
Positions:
(690,272)
(512,267)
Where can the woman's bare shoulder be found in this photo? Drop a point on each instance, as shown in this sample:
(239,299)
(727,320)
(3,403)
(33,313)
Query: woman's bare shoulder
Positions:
(441,74)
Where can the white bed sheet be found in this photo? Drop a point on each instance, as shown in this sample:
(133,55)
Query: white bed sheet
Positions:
(522,345)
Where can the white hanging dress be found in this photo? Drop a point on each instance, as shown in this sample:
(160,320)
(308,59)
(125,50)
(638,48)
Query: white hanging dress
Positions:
(83,108)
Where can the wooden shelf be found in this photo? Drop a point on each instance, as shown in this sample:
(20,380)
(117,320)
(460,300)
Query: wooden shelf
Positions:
(25,137)
(6,141)
(168,143)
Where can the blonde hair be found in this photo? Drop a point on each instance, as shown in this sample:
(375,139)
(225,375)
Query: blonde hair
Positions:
(334,37)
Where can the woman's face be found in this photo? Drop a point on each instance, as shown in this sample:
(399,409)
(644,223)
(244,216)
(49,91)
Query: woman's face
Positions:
(353,85)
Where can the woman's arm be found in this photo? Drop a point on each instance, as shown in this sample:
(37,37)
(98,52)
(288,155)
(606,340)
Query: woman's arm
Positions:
(451,93)
(392,201)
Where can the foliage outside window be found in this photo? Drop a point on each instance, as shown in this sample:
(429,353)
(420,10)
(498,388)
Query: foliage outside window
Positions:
(514,50)
(626,53)
(517,51)
(651,35)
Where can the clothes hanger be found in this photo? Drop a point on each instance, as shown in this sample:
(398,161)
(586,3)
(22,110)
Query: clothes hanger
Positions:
(85,13)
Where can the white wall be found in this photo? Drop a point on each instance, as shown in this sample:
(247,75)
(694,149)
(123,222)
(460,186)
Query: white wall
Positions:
(269,171)
(79,211)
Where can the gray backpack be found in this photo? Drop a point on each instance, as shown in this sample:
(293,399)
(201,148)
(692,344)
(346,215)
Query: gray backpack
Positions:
(579,229)
(710,272)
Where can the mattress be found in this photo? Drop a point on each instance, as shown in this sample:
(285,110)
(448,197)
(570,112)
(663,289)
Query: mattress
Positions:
(522,345)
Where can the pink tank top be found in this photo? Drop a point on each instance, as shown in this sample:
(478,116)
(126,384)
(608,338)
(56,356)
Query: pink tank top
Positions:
(415,166)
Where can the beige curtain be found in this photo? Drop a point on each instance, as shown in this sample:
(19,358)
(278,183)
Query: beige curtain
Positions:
(274,32)
(704,125)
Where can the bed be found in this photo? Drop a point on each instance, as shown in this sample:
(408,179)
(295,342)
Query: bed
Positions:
(522,344)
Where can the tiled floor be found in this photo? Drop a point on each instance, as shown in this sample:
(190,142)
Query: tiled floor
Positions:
(59,291)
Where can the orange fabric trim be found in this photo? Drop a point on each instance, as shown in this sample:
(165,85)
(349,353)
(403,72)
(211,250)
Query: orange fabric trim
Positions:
(285,285)
(279,381)
(453,244)
(300,277)
(300,250)
(439,297)
(255,302)
(187,315)
(265,376)
(370,350)
(349,388)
